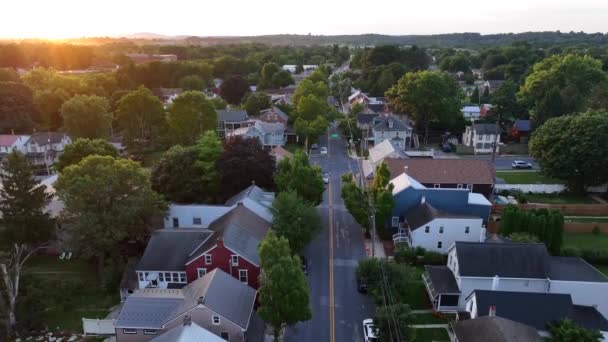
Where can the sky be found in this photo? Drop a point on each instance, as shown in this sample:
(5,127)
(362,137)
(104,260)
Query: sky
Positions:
(85,18)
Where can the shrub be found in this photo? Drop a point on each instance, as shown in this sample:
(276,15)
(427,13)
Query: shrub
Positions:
(434,258)
(596,230)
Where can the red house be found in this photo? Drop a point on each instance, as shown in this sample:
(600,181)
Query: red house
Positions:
(274,115)
(176,257)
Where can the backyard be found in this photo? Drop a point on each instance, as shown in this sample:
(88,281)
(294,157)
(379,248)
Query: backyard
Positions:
(67,291)
(586,240)
(525,177)
(428,335)
(559,199)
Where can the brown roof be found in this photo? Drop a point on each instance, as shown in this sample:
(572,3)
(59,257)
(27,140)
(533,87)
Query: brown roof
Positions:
(435,171)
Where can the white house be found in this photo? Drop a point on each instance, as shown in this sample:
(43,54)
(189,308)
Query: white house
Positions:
(389,127)
(436,230)
(44,148)
(471,112)
(522,267)
(377,154)
(12,142)
(269,134)
(482,137)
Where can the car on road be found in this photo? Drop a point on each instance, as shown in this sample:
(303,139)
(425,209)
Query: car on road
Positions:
(314,147)
(520,164)
(323,150)
(326,178)
(369,330)
(361,285)
(304,263)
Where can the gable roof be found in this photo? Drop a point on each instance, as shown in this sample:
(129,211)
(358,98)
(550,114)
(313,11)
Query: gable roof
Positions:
(357,93)
(425,213)
(275,110)
(442,171)
(43,138)
(206,212)
(180,242)
(188,333)
(496,329)
(384,150)
(575,269)
(227,115)
(255,199)
(269,128)
(384,122)
(150,308)
(514,260)
(365,118)
(485,128)
(279,152)
(7,140)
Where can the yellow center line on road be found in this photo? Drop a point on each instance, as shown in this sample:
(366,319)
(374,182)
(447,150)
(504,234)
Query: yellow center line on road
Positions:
(332,333)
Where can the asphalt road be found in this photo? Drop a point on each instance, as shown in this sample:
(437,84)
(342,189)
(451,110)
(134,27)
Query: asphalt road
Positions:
(500,162)
(337,308)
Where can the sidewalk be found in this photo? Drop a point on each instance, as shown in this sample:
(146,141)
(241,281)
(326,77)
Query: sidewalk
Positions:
(378,247)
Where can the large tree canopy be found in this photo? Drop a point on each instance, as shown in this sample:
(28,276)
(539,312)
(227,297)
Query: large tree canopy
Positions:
(295,219)
(233,89)
(87,116)
(16,108)
(82,148)
(189,116)
(296,174)
(141,115)
(428,96)
(574,148)
(561,84)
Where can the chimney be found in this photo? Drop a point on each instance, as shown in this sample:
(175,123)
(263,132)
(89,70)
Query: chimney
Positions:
(201,300)
(495,283)
(492,311)
(187,320)
(390,123)
(220,242)
(423,200)
(405,169)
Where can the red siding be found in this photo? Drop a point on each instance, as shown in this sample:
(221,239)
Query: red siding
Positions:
(220,258)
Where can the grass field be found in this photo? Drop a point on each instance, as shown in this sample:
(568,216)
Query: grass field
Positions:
(429,318)
(598,219)
(428,335)
(585,240)
(559,199)
(525,177)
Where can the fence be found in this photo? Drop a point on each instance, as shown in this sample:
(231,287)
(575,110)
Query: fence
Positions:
(543,188)
(565,209)
(569,227)
(98,326)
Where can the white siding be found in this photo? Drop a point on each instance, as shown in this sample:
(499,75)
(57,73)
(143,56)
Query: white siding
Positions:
(584,293)
(453,230)
(185,215)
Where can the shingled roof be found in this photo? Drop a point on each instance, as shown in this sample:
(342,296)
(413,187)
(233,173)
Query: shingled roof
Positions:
(180,242)
(495,329)
(425,213)
(442,171)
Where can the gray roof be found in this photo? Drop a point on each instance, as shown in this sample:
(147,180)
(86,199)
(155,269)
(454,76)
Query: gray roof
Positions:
(43,138)
(574,269)
(255,193)
(495,329)
(376,107)
(275,110)
(589,318)
(225,295)
(442,278)
(181,242)
(523,125)
(532,308)
(270,128)
(188,333)
(383,123)
(485,128)
(365,118)
(425,213)
(516,260)
(231,115)
(141,311)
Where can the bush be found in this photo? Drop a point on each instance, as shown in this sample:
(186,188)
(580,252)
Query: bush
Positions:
(596,230)
(419,256)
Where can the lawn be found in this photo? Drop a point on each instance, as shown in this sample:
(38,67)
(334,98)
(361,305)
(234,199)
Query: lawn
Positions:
(586,240)
(429,318)
(602,268)
(517,148)
(428,335)
(559,199)
(525,177)
(73,292)
(586,218)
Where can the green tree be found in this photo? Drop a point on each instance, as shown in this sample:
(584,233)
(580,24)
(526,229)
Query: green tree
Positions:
(282,79)
(340,87)
(310,130)
(356,201)
(141,115)
(191,82)
(87,116)
(189,116)
(283,294)
(569,78)
(505,104)
(310,107)
(9,75)
(546,226)
(256,102)
(296,174)
(218,103)
(295,219)
(573,148)
(308,87)
(17,109)
(382,191)
(428,96)
(568,331)
(387,316)
(266,75)
(82,148)
(233,89)
(475,97)
(109,201)
(48,103)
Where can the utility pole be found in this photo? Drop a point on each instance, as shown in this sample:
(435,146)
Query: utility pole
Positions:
(495,144)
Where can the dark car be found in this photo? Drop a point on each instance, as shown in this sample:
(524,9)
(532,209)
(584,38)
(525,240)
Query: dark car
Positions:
(361,285)
(304,263)
(314,147)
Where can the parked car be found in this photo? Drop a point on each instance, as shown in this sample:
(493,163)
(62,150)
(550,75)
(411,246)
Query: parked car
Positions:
(369,330)
(304,263)
(323,150)
(326,178)
(361,285)
(520,164)
(314,147)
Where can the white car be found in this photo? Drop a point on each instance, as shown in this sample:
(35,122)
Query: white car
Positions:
(520,164)
(369,330)
(323,150)
(326,178)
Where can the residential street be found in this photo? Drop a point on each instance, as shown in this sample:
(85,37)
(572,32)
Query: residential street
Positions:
(335,265)
(500,162)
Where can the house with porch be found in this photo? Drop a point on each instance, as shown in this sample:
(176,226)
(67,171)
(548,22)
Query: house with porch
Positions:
(389,127)
(217,302)
(273,115)
(12,142)
(43,149)
(269,134)
(519,267)
(229,120)
(482,137)
(378,153)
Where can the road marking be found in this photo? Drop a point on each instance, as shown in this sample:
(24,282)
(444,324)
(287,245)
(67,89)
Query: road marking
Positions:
(332,333)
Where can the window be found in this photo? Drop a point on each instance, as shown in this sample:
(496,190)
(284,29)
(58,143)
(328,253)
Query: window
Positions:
(207,259)
(215,320)
(175,277)
(234,259)
(225,336)
(150,332)
(167,276)
(427,229)
(243,276)
(182,277)
(450,259)
(161,276)
(459,186)
(141,276)
(197,221)
(129,331)
(436,186)
(175,222)
(466,230)
(440,230)
(439,244)
(201,272)
(395,221)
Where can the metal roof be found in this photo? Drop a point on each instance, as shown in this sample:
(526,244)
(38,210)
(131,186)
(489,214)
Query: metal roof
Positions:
(147,312)
(188,333)
(443,279)
(231,115)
